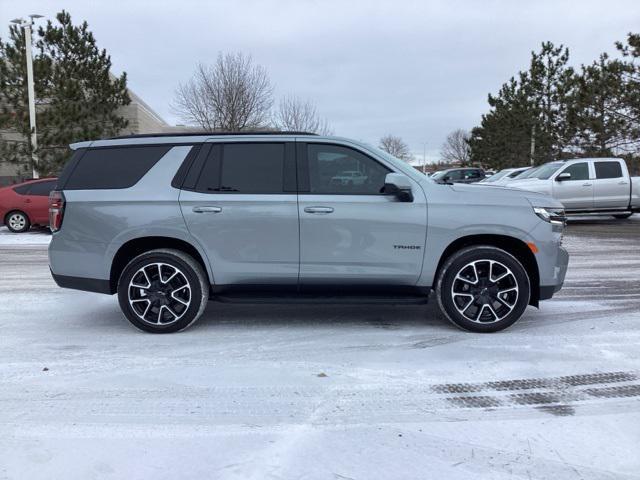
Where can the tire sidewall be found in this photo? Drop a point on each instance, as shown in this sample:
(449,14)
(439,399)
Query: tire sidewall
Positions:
(27,222)
(460,259)
(197,295)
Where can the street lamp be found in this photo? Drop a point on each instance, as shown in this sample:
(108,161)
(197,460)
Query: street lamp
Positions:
(424,157)
(26,25)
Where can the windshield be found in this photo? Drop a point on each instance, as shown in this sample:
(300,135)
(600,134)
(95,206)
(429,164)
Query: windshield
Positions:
(439,175)
(545,171)
(497,176)
(529,173)
(518,173)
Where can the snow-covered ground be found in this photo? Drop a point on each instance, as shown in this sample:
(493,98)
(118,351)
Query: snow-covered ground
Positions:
(324,392)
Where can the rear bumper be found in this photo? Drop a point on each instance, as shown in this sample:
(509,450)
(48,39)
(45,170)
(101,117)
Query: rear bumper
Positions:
(86,284)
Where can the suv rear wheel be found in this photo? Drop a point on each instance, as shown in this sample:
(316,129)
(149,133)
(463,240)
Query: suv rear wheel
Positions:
(483,289)
(17,222)
(163,291)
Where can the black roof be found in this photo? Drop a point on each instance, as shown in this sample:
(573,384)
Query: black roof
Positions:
(200,134)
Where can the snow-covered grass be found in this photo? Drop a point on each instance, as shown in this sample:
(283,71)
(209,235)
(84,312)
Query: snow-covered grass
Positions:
(325,392)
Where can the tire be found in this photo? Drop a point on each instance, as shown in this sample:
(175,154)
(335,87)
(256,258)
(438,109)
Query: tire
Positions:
(478,308)
(17,221)
(622,216)
(163,304)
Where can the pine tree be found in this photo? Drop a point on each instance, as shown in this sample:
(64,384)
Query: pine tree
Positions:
(529,117)
(77,97)
(598,109)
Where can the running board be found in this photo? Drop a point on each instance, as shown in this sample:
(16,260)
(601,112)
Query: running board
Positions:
(313,299)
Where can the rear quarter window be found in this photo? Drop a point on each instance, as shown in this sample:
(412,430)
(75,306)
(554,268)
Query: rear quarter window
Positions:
(113,167)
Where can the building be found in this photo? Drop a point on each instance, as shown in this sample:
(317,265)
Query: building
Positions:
(142,119)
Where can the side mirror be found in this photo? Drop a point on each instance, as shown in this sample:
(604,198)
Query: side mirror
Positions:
(563,176)
(399,185)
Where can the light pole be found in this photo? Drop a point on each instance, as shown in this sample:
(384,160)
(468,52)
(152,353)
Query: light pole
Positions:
(26,25)
(424,157)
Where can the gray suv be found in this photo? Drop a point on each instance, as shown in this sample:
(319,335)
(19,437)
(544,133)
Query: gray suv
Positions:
(169,222)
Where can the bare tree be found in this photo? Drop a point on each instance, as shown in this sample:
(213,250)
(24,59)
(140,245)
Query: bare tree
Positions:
(395,146)
(233,94)
(456,147)
(298,115)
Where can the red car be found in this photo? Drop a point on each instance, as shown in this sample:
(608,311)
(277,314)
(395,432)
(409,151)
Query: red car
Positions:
(26,204)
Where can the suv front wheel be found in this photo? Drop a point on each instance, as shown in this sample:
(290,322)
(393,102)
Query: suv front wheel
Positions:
(163,291)
(483,289)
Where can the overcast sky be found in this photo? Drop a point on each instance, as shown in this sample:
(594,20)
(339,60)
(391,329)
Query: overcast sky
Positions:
(414,69)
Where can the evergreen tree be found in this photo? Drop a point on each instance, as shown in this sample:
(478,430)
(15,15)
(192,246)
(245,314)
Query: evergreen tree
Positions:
(529,117)
(598,110)
(77,97)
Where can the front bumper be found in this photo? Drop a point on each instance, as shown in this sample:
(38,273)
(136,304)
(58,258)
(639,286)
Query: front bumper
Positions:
(560,271)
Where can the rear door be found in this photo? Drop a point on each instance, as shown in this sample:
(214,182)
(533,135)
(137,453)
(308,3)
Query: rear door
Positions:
(239,201)
(577,192)
(37,201)
(353,234)
(611,188)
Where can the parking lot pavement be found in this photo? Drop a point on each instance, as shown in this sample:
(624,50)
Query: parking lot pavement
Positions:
(325,392)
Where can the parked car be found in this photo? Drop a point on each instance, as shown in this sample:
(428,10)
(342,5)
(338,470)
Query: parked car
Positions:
(168,222)
(505,176)
(26,204)
(459,175)
(588,185)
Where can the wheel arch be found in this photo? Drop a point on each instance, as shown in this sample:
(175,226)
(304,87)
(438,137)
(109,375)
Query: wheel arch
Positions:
(137,246)
(512,245)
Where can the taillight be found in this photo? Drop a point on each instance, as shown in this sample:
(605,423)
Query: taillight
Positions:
(56,210)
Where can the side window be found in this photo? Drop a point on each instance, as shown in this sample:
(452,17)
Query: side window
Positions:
(244,168)
(335,169)
(608,170)
(578,171)
(42,189)
(472,174)
(114,167)
(455,175)
(22,189)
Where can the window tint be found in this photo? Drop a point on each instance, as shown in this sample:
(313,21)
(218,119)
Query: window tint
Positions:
(608,170)
(119,167)
(42,189)
(22,189)
(578,171)
(335,169)
(472,174)
(453,175)
(243,168)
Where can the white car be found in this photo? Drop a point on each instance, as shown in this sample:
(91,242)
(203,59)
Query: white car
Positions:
(587,185)
(505,176)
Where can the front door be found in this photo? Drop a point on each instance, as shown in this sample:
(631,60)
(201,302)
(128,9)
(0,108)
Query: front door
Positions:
(576,193)
(350,232)
(242,209)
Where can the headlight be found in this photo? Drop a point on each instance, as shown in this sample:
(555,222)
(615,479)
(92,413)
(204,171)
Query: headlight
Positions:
(555,216)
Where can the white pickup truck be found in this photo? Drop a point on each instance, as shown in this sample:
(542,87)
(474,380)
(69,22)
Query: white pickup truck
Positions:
(587,185)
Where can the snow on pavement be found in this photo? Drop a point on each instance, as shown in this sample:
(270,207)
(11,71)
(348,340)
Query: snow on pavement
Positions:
(325,392)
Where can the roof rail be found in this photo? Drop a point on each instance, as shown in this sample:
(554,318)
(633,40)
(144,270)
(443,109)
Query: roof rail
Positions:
(200,134)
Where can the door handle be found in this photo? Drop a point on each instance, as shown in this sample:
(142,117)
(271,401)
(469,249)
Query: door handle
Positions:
(622,183)
(206,209)
(318,210)
(587,184)
(28,200)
